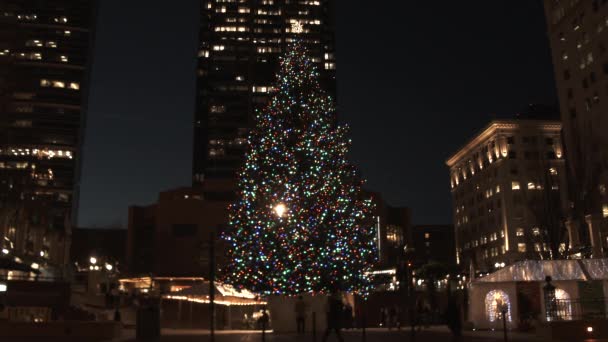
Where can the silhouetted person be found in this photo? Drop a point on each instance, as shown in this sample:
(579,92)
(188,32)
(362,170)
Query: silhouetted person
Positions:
(334,313)
(300,309)
(348,316)
(394,317)
(263,320)
(453,318)
(117,315)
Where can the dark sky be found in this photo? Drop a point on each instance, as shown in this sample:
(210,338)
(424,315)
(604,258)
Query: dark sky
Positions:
(415,81)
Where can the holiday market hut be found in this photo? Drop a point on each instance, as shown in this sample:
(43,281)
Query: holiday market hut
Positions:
(185,302)
(577,290)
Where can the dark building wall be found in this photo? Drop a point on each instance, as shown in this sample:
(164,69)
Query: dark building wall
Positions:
(434,243)
(240,45)
(171,238)
(394,224)
(44,58)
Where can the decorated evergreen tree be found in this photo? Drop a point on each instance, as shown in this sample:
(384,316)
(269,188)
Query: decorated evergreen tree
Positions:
(301,223)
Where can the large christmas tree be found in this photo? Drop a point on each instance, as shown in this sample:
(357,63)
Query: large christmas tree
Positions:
(301,223)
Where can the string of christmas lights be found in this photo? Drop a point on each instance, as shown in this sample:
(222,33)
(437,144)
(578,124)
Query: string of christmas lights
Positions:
(301,223)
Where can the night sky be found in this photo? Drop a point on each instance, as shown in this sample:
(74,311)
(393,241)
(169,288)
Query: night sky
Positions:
(415,81)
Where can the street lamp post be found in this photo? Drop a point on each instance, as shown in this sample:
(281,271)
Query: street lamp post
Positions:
(504,309)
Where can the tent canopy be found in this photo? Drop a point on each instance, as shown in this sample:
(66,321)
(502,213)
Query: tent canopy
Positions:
(537,270)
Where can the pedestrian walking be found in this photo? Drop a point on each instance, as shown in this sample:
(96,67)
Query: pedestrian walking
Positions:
(334,310)
(453,318)
(300,309)
(383,316)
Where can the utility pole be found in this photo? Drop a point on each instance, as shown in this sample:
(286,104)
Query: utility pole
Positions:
(212,285)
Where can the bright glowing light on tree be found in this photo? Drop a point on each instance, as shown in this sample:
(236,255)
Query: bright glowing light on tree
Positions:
(280,209)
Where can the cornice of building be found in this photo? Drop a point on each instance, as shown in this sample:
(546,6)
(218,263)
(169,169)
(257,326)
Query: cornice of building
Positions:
(497,125)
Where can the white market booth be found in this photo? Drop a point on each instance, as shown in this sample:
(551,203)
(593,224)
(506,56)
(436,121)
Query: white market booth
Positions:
(581,288)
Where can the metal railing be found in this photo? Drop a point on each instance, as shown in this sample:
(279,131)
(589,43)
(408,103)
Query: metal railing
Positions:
(579,309)
(25,277)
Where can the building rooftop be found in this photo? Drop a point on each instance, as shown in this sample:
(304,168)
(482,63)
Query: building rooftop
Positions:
(495,125)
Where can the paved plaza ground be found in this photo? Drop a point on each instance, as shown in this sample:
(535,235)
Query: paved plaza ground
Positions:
(372,335)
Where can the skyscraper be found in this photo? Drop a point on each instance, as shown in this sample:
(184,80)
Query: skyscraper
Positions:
(44,55)
(240,45)
(578,31)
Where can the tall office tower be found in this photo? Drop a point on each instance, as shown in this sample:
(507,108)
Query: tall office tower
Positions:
(240,45)
(509,194)
(44,54)
(578,31)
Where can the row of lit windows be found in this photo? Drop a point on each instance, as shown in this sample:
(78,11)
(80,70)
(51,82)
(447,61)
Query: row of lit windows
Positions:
(488,194)
(235,142)
(34,17)
(464,172)
(216,152)
(232,29)
(521,231)
(59,84)
(37,152)
(493,252)
(34,56)
(40,43)
(538,247)
(484,240)
(255,30)
(515,185)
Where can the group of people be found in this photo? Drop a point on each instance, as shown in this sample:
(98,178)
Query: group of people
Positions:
(338,315)
(389,317)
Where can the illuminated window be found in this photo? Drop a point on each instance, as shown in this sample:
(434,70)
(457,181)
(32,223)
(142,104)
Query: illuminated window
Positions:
(537,247)
(519,232)
(605,210)
(564,306)
(217,109)
(495,302)
(521,247)
(531,186)
(427,235)
(536,231)
(498,189)
(74,86)
(553,171)
(61,20)
(34,42)
(515,186)
(259,89)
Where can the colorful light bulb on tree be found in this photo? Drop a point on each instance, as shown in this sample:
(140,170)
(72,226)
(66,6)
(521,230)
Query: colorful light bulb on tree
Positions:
(301,223)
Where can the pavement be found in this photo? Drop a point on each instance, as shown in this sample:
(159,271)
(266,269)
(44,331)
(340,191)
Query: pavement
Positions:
(439,333)
(432,334)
